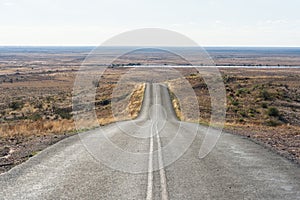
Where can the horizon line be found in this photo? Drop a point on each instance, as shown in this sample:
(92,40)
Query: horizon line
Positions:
(205,46)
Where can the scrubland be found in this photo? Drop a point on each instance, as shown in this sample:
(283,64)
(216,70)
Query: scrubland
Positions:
(37,89)
(262,104)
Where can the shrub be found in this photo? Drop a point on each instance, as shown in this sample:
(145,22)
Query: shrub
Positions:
(252,111)
(241,120)
(264,105)
(64,113)
(16,105)
(235,110)
(265,95)
(272,123)
(243,114)
(228,79)
(35,117)
(235,103)
(273,112)
(242,91)
(39,105)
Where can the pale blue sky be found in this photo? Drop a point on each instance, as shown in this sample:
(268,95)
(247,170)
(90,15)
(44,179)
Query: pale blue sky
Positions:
(208,22)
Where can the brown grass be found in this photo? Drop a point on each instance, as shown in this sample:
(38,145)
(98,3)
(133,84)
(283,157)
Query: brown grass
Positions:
(46,104)
(28,128)
(128,108)
(250,95)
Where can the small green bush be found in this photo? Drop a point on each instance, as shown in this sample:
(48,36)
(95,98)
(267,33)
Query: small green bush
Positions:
(39,105)
(241,120)
(243,114)
(272,123)
(235,103)
(252,111)
(35,117)
(273,112)
(16,105)
(242,91)
(64,113)
(264,105)
(265,95)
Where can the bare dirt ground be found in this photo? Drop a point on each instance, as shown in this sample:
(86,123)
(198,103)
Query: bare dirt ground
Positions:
(36,97)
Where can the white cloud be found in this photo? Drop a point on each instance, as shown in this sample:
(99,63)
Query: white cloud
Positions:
(8,3)
(278,21)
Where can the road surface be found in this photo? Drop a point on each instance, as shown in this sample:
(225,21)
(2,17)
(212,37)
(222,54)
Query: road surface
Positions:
(236,168)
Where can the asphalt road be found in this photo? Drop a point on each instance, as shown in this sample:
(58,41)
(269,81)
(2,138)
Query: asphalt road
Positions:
(236,168)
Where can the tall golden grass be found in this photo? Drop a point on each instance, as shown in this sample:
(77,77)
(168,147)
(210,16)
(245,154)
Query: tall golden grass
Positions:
(27,128)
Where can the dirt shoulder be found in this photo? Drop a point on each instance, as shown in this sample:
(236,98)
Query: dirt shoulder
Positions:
(14,151)
(283,140)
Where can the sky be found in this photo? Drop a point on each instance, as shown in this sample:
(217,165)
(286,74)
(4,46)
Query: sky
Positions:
(208,22)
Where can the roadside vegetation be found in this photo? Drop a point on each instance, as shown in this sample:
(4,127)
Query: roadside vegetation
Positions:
(37,112)
(261,104)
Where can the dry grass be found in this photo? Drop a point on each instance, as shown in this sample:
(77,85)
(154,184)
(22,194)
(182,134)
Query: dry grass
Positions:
(252,97)
(44,107)
(125,109)
(175,102)
(184,104)
(36,111)
(136,101)
(28,128)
